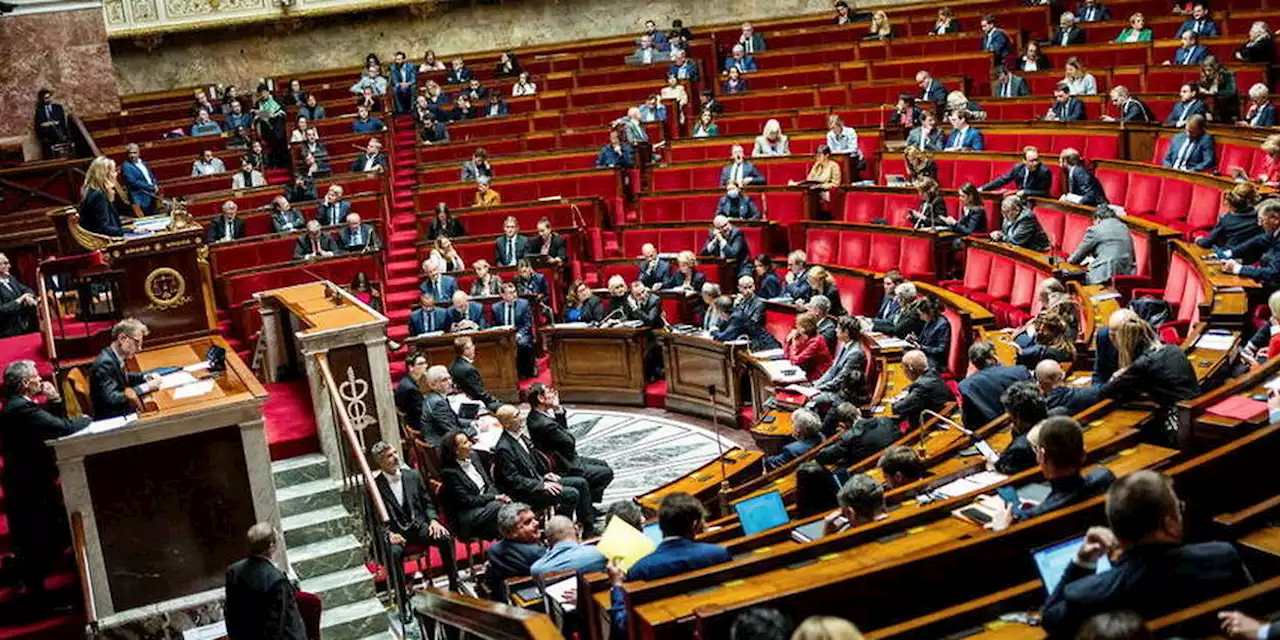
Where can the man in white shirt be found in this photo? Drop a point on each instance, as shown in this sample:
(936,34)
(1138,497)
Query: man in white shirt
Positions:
(207,165)
(17,303)
(412,515)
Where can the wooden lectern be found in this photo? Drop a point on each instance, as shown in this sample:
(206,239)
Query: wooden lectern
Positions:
(495,357)
(694,363)
(166,499)
(598,365)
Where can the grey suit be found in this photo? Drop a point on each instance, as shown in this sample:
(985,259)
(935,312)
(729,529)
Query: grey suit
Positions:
(934,142)
(1111,246)
(845,376)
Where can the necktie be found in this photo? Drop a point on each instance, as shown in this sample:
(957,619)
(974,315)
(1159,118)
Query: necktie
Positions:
(737,173)
(1026,177)
(546,246)
(1071,180)
(1065,33)
(1196,27)
(355,237)
(990,37)
(435,284)
(48,111)
(228,234)
(1180,162)
(1183,55)
(315,245)
(511,251)
(1007,92)
(510,313)
(431,320)
(528,443)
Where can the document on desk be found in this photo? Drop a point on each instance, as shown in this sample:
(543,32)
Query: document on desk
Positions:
(559,591)
(969,484)
(782,371)
(890,342)
(767,354)
(105,425)
(197,367)
(176,379)
(487,439)
(193,390)
(1216,341)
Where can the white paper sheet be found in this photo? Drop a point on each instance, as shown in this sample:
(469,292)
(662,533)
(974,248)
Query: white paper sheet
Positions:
(176,379)
(1215,341)
(767,354)
(103,426)
(558,591)
(197,367)
(193,390)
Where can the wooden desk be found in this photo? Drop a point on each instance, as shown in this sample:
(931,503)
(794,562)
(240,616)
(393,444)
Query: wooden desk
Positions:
(696,364)
(165,500)
(598,365)
(495,357)
(704,483)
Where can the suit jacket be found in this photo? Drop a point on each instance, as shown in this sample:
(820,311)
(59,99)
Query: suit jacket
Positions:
(522,319)
(676,279)
(746,65)
(519,471)
(1064,37)
(970,139)
(1234,229)
(30,473)
(1066,400)
(438,418)
(458,76)
(16,319)
(904,322)
(591,309)
(557,248)
(656,55)
(1013,87)
(1096,13)
(261,604)
(316,113)
(996,42)
(418,321)
(404,72)
(929,391)
(1202,27)
(934,93)
(980,393)
(1081,183)
(935,342)
(1071,109)
(305,247)
(1018,456)
(408,398)
(463,501)
(218,229)
(1183,110)
(799,288)
(287,221)
(361,160)
(410,518)
(648,312)
(747,320)
(687,71)
(655,273)
(1267,269)
(1038,184)
(469,381)
(933,142)
(1257,51)
(142,186)
(1190,56)
(672,557)
(550,434)
(749,174)
(436,133)
(1149,580)
(1111,246)
(508,559)
(451,229)
(1135,110)
(108,380)
(845,374)
(97,214)
(1190,154)
(368,240)
(1261,116)
(1067,491)
(734,248)
(442,291)
(867,437)
(790,451)
(472,171)
(757,43)
(333,214)
(475,313)
(608,158)
(54,113)
(970,221)
(1025,231)
(741,207)
(502,250)
(1164,374)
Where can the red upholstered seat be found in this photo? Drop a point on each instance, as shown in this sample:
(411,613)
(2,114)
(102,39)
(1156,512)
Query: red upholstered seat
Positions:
(1073,230)
(823,246)
(916,260)
(1142,195)
(853,292)
(864,208)
(885,252)
(782,207)
(957,356)
(1053,222)
(977,272)
(855,249)
(896,206)
(779,324)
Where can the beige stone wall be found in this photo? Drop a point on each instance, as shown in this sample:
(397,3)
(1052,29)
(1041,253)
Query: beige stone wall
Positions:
(247,53)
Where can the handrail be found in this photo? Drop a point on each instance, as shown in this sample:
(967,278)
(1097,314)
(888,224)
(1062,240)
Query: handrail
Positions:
(344,421)
(82,567)
(484,618)
(92,147)
(46,327)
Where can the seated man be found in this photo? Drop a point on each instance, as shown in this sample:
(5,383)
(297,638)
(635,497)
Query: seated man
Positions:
(477,166)
(739,59)
(806,431)
(901,465)
(980,391)
(567,553)
(1158,573)
(647,53)
(433,130)
(466,376)
(315,243)
(1060,450)
(1060,398)
(1191,150)
(357,237)
(1029,177)
(465,315)
(654,271)
(1007,85)
(226,227)
(963,137)
(863,439)
(364,123)
(408,393)
(413,518)
(1025,406)
(510,247)
(735,205)
(17,303)
(427,318)
(1093,11)
(744,319)
(284,218)
(523,472)
(520,547)
(549,429)
(681,518)
(546,242)
(861,501)
(926,391)
(440,285)
(108,377)
(371,160)
(207,165)
(1065,107)
(438,416)
(726,241)
(513,311)
(333,210)
(204,126)
(740,171)
(1130,108)
(1080,185)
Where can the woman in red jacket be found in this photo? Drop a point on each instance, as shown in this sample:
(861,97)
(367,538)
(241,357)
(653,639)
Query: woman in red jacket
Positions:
(806,349)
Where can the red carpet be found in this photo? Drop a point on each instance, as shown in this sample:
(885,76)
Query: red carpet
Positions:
(290,423)
(28,347)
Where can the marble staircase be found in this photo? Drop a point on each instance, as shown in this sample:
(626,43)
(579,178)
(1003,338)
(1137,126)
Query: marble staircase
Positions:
(321,540)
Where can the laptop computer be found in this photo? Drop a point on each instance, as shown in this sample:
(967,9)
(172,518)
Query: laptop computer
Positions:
(761,513)
(1052,561)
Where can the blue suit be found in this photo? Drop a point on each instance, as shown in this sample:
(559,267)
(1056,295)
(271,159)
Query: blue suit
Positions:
(504,254)
(1072,109)
(1264,116)
(1082,183)
(609,158)
(441,292)
(997,43)
(517,316)
(406,72)
(1183,110)
(655,273)
(1190,155)
(980,393)
(934,93)
(475,313)
(1267,271)
(688,69)
(534,285)
(421,321)
(1203,27)
(970,139)
(1194,55)
(1072,400)
(746,65)
(789,452)
(748,173)
(672,557)
(142,186)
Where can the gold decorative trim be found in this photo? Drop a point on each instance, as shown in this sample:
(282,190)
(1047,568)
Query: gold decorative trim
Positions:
(166,288)
(280,14)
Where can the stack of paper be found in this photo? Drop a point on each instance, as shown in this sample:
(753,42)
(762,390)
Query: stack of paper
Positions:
(767,354)
(1216,341)
(783,372)
(103,426)
(176,379)
(193,390)
(969,484)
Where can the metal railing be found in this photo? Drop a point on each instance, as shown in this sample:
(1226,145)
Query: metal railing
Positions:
(82,567)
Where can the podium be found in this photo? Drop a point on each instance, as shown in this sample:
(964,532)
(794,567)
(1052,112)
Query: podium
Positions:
(495,357)
(598,365)
(693,364)
(304,320)
(165,500)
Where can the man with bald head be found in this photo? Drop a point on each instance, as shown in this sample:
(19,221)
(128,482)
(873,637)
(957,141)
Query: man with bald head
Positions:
(653,270)
(1060,398)
(438,416)
(726,241)
(523,472)
(261,602)
(746,319)
(927,390)
(566,552)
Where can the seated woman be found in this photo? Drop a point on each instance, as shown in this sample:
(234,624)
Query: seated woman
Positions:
(822,282)
(734,83)
(1051,343)
(824,175)
(958,102)
(1238,224)
(706,126)
(1081,82)
(845,381)
(1261,113)
(920,165)
(1137,30)
(881,28)
(768,284)
(486,283)
(806,349)
(946,23)
(467,492)
(934,335)
(444,250)
(444,224)
(582,305)
(685,276)
(1149,367)
(932,211)
(771,142)
(815,490)
(100,196)
(1258,48)
(1052,296)
(973,214)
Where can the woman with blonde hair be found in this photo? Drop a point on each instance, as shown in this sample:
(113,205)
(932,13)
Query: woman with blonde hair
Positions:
(99,197)
(1137,31)
(1081,82)
(1239,223)
(1220,82)
(946,23)
(822,282)
(957,101)
(920,164)
(1147,366)
(881,28)
(826,628)
(771,142)
(1051,341)
(444,250)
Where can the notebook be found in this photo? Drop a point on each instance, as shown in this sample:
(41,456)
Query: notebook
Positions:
(761,513)
(1052,561)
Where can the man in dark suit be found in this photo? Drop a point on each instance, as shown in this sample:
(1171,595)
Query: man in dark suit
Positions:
(863,439)
(1189,104)
(928,136)
(726,241)
(1029,177)
(906,319)
(1093,11)
(413,518)
(284,218)
(458,73)
(51,120)
(465,315)
(927,390)
(17,303)
(37,522)
(1068,33)
(1065,107)
(1025,406)
(681,518)
(428,317)
(745,318)
(1020,226)
(1156,573)
(408,391)
(1191,150)
(931,90)
(315,243)
(356,237)
(645,307)
(465,374)
(139,180)
(546,242)
(333,209)
(524,473)
(1130,108)
(1007,85)
(513,311)
(1059,397)
(1060,449)
(108,378)
(654,271)
(261,602)
(806,433)
(1199,22)
(1082,187)
(994,41)
(820,306)
(530,284)
(549,429)
(519,548)
(226,227)
(510,246)
(1191,52)
(1267,269)
(438,416)
(980,391)
(404,82)
(889,303)
(371,160)
(441,286)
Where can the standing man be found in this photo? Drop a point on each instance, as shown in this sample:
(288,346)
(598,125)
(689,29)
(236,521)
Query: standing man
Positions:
(404,79)
(412,515)
(513,311)
(17,303)
(109,379)
(261,603)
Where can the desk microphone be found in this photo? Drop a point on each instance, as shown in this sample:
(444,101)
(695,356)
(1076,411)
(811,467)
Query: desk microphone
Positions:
(981,444)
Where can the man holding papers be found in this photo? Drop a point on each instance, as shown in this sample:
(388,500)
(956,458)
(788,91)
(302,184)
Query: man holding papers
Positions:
(108,379)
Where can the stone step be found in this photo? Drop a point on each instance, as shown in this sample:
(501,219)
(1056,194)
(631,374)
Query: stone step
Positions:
(327,556)
(385,635)
(342,587)
(353,621)
(308,496)
(308,468)
(314,526)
